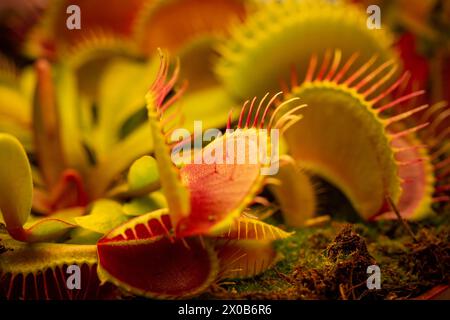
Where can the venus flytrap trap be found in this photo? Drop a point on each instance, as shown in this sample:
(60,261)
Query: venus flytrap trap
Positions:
(220,178)
(334,92)
(283,34)
(103,214)
(388,135)
(143,176)
(142,179)
(38,272)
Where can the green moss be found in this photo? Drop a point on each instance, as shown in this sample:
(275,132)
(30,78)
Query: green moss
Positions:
(330,262)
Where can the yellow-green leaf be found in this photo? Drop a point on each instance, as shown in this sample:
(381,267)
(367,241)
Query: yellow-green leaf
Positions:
(121,94)
(47,230)
(83,236)
(143,172)
(70,119)
(142,205)
(104,216)
(16,186)
(296,194)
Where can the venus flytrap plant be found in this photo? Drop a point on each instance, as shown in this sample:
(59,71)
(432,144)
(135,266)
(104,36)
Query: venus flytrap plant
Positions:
(277,31)
(204,234)
(386,159)
(79,160)
(200,259)
(162,228)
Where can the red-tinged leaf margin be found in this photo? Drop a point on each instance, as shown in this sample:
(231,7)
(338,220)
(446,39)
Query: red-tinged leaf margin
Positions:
(141,257)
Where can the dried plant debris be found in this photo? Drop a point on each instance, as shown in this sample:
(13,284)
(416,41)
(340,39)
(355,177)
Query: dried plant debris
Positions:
(331,263)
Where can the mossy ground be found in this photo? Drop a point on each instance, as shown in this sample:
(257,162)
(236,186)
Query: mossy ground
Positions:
(330,262)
